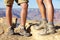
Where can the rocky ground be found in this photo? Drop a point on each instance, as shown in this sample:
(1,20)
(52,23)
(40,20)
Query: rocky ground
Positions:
(29,24)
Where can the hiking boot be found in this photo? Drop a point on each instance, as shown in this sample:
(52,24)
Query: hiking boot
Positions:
(9,31)
(22,31)
(51,29)
(41,26)
(43,31)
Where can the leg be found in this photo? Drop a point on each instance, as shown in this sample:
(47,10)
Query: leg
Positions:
(9,31)
(21,29)
(50,10)
(43,14)
(9,14)
(42,8)
(9,4)
(24,7)
(50,16)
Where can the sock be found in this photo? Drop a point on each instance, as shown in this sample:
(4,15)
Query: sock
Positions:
(44,20)
(50,23)
(22,27)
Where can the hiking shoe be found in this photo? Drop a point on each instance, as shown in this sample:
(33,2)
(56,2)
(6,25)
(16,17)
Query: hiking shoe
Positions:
(41,25)
(9,31)
(43,31)
(22,31)
(51,29)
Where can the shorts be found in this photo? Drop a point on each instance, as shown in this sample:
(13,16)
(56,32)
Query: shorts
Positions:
(10,2)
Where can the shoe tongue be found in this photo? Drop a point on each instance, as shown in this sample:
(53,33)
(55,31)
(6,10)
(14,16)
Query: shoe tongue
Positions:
(9,27)
(22,27)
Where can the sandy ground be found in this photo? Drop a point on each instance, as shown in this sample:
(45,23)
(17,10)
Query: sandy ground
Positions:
(3,27)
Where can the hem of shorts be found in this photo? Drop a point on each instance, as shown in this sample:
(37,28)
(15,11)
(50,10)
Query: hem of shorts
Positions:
(23,2)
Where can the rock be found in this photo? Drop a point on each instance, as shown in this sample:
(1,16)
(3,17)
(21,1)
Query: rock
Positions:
(1,20)
(3,24)
(36,36)
(29,24)
(14,20)
(1,29)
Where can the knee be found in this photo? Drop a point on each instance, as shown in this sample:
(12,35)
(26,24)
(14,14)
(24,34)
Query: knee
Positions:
(24,5)
(8,7)
(48,3)
(40,2)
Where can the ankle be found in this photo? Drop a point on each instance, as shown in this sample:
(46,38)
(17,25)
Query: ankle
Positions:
(22,27)
(50,23)
(44,20)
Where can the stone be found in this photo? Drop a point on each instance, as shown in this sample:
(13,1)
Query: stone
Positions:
(1,20)
(1,30)
(36,36)
(14,20)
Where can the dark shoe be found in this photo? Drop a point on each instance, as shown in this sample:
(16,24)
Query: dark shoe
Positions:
(22,31)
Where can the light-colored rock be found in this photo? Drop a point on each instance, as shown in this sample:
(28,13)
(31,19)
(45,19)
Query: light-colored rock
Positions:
(36,36)
(1,30)
(1,20)
(3,24)
(31,22)
(14,20)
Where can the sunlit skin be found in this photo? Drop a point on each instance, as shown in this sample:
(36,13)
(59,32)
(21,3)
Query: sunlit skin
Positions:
(24,8)
(46,6)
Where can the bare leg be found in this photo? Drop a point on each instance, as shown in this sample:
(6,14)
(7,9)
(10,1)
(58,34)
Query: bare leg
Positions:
(24,13)
(50,10)
(9,30)
(9,14)
(50,16)
(21,29)
(42,8)
(43,14)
